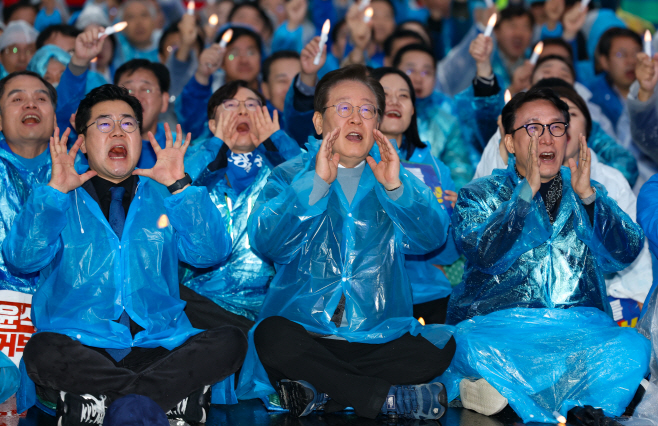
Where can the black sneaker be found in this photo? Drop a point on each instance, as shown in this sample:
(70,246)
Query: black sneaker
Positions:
(74,410)
(300,397)
(193,409)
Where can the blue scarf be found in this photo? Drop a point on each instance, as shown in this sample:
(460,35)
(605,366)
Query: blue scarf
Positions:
(242,169)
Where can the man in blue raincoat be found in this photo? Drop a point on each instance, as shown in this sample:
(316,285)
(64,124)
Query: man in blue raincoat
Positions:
(536,234)
(337,325)
(107,244)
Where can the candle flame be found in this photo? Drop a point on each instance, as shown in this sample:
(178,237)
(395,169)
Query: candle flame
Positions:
(94,60)
(492,20)
(508,96)
(120,26)
(213,20)
(647,36)
(326,27)
(369,12)
(228,35)
(190,6)
(163,222)
(421,321)
(539,48)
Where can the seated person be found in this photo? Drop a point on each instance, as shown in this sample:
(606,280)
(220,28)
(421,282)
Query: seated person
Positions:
(140,38)
(60,35)
(279,69)
(112,323)
(17,45)
(511,226)
(337,223)
(642,104)
(234,165)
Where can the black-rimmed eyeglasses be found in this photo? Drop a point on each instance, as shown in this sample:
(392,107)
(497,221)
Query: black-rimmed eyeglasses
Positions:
(106,124)
(345,109)
(556,129)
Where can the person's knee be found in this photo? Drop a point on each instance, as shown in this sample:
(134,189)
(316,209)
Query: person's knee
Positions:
(39,349)
(273,336)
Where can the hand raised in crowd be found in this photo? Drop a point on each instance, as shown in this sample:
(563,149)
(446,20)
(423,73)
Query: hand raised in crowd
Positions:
(580,174)
(554,10)
(87,46)
(521,78)
(296,12)
(572,21)
(532,165)
(188,31)
(263,124)
(646,73)
(225,126)
(360,34)
(64,177)
(169,166)
(210,60)
(480,49)
(450,196)
(326,162)
(309,74)
(387,171)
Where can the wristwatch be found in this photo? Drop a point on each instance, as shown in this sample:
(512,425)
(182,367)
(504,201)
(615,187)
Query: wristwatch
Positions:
(180,183)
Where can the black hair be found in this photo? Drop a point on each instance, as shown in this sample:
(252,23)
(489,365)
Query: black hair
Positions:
(22,4)
(565,90)
(356,73)
(400,33)
(605,42)
(261,13)
(240,32)
(63,29)
(161,72)
(411,135)
(514,11)
(227,91)
(534,94)
(105,93)
(562,59)
(336,29)
(559,42)
(414,48)
(52,92)
(281,54)
(173,29)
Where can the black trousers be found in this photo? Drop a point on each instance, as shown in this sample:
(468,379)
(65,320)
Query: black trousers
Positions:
(205,314)
(55,361)
(433,312)
(356,375)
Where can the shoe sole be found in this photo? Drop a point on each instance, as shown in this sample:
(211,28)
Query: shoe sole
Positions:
(481,397)
(296,398)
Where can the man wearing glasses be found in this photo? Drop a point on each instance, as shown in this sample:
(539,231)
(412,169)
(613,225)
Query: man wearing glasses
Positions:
(537,231)
(106,244)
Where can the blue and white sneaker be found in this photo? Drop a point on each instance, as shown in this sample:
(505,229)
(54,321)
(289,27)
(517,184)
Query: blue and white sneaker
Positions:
(423,402)
(300,397)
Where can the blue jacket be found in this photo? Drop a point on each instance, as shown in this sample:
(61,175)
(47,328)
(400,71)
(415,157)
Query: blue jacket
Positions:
(516,258)
(607,98)
(88,276)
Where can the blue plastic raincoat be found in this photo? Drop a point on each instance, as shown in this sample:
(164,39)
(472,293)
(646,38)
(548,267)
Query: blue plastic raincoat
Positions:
(239,283)
(438,124)
(332,247)
(516,258)
(88,276)
(41,58)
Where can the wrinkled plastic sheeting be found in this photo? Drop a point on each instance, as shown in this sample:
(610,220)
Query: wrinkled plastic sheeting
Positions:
(546,360)
(648,326)
(9,378)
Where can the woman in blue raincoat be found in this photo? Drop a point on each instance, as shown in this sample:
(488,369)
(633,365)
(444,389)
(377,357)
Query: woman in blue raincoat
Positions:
(431,287)
(337,223)
(234,169)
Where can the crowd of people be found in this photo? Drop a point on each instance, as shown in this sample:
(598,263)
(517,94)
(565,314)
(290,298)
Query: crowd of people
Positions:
(380,205)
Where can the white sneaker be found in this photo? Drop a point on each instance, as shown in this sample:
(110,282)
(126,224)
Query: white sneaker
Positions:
(481,397)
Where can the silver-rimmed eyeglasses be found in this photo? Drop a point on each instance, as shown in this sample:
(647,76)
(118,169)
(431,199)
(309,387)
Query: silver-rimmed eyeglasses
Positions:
(345,109)
(106,124)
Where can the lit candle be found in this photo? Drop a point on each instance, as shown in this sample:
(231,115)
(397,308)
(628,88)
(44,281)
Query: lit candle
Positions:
(163,221)
(323,40)
(226,38)
(213,20)
(190,7)
(490,25)
(114,29)
(584,4)
(421,321)
(559,417)
(508,96)
(367,16)
(92,65)
(647,43)
(535,53)
(363,4)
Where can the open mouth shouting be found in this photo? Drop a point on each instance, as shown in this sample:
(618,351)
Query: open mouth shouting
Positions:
(547,157)
(354,137)
(118,152)
(393,113)
(31,119)
(242,128)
